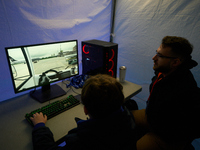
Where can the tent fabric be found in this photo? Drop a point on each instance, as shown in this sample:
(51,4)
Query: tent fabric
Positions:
(27,22)
(140,26)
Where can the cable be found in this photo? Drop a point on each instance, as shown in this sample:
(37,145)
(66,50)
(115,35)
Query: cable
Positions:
(71,87)
(74,91)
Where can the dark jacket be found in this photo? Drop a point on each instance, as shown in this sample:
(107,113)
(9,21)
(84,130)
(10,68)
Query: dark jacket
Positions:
(173,109)
(113,132)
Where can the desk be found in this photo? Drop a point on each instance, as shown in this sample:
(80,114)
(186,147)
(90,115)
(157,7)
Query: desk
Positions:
(15,130)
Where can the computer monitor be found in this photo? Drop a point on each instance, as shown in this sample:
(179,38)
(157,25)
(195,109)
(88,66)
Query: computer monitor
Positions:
(37,65)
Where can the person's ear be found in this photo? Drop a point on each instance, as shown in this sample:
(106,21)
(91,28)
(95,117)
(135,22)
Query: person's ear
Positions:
(85,110)
(176,62)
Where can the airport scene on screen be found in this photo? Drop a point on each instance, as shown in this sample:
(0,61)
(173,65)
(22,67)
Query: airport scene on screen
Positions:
(37,65)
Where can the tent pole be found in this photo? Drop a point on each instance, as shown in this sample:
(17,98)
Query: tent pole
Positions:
(112,20)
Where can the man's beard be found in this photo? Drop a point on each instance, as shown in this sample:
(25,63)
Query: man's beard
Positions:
(162,69)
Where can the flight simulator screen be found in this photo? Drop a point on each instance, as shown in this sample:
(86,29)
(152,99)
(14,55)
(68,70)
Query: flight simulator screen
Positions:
(37,65)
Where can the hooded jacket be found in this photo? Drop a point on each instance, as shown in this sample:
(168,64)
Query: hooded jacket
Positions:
(173,107)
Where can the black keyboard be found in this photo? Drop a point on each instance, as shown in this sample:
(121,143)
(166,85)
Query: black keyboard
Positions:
(54,108)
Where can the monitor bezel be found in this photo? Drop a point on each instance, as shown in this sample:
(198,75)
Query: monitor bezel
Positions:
(39,44)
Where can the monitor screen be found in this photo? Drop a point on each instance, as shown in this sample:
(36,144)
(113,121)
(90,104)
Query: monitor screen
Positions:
(37,65)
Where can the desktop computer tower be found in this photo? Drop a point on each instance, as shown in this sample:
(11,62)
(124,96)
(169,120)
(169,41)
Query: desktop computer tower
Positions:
(99,57)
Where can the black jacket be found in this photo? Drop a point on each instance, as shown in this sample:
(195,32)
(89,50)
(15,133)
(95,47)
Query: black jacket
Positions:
(114,132)
(173,109)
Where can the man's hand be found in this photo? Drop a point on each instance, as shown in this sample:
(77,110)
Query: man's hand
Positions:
(38,118)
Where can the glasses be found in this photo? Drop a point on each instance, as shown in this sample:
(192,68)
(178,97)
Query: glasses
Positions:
(162,56)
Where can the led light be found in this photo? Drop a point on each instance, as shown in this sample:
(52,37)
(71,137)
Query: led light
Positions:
(84,50)
(111,60)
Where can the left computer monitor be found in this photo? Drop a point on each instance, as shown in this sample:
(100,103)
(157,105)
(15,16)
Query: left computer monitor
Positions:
(38,65)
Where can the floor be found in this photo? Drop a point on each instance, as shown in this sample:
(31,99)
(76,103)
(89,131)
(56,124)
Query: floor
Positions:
(141,101)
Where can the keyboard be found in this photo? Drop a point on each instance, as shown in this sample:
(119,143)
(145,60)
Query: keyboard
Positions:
(54,108)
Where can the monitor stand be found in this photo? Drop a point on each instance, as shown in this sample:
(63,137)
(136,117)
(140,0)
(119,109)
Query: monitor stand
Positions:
(47,93)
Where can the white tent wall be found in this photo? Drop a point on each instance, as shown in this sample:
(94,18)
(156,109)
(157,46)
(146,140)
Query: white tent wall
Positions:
(140,26)
(27,22)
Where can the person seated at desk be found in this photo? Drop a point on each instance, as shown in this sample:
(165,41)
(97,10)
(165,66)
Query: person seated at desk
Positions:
(110,127)
(170,120)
